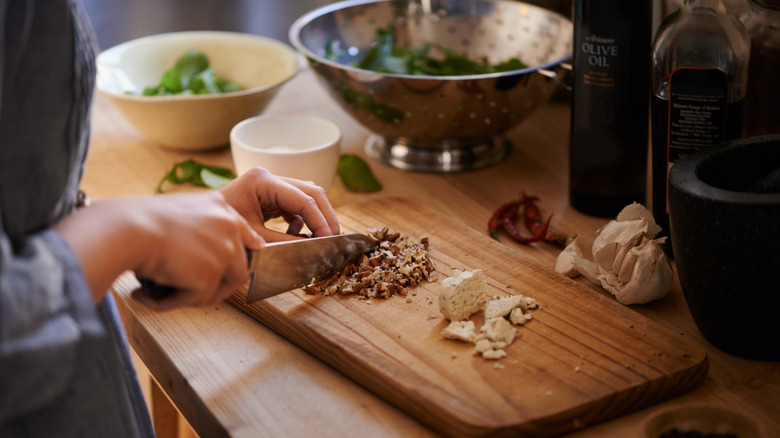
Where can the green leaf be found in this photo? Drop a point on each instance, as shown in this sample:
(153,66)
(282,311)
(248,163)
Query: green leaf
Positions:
(197,174)
(213,179)
(190,74)
(205,82)
(363,100)
(191,63)
(357,175)
(226,86)
(386,56)
(172,81)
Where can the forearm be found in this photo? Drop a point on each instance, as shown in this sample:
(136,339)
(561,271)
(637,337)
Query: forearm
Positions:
(193,242)
(108,239)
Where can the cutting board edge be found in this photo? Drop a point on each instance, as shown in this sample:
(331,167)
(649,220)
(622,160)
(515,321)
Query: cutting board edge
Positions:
(451,423)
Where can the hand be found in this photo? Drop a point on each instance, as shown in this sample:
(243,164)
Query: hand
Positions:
(194,242)
(259,196)
(201,253)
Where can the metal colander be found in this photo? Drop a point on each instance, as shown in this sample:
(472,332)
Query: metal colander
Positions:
(439,123)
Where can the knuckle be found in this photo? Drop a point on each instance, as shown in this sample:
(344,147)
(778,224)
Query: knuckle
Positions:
(259,173)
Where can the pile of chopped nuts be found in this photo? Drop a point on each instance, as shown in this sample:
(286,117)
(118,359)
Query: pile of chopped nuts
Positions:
(395,266)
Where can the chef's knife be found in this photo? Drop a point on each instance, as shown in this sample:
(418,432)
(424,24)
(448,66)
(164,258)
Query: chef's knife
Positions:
(284,266)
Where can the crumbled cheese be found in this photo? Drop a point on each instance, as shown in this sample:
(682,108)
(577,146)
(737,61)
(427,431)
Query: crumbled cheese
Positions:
(501,314)
(517,317)
(504,306)
(499,330)
(460,330)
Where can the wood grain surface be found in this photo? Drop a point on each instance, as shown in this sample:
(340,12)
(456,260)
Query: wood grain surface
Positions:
(583,358)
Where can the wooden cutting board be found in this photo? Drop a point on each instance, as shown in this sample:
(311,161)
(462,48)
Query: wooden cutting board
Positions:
(583,358)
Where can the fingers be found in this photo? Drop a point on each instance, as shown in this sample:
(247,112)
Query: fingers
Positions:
(294,224)
(315,208)
(259,195)
(200,251)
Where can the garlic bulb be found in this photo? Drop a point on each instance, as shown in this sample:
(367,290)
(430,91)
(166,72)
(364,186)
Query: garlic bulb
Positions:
(627,260)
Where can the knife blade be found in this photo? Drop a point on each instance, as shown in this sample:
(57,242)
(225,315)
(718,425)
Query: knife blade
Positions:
(284,266)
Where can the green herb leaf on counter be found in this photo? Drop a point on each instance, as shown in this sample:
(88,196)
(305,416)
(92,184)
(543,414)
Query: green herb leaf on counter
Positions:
(191,74)
(197,174)
(357,175)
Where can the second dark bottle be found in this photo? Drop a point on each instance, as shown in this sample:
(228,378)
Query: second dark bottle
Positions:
(699,78)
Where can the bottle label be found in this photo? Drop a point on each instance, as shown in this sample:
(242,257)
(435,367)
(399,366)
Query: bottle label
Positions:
(599,52)
(697,110)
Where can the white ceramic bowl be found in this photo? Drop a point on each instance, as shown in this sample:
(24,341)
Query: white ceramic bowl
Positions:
(295,145)
(192,122)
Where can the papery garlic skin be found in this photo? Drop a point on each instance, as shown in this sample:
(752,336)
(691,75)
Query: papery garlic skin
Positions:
(571,263)
(628,262)
(567,259)
(615,239)
(646,275)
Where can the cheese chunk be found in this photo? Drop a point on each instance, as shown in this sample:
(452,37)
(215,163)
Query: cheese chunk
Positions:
(504,306)
(499,330)
(490,350)
(517,317)
(462,295)
(461,331)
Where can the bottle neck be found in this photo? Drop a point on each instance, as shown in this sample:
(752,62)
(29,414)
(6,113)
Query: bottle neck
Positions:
(773,5)
(716,6)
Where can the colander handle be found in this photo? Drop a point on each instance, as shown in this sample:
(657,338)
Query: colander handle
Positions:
(556,77)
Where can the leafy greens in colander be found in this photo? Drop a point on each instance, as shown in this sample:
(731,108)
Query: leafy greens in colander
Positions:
(386,56)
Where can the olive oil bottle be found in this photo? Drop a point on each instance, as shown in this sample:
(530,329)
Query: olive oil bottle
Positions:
(610,105)
(699,77)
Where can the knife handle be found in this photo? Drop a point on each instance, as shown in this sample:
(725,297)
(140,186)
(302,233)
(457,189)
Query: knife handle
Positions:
(159,291)
(154,290)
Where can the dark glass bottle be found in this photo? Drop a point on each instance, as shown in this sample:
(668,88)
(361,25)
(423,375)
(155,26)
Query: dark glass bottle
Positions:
(762,100)
(609,117)
(698,82)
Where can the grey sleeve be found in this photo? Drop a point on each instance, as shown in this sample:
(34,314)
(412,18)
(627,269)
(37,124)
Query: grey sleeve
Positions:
(46,310)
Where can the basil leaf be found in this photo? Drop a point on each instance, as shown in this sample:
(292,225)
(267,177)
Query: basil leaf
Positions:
(386,56)
(191,63)
(191,74)
(357,175)
(213,179)
(197,174)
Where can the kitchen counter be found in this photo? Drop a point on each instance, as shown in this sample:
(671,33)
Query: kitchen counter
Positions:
(230,375)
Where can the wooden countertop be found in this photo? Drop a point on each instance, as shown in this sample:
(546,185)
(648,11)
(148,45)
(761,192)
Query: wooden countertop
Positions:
(230,375)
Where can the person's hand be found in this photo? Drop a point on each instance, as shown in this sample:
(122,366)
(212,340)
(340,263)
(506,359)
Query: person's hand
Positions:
(201,250)
(192,242)
(259,196)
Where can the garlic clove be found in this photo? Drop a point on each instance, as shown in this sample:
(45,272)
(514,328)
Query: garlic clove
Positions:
(638,211)
(565,263)
(587,269)
(651,277)
(615,239)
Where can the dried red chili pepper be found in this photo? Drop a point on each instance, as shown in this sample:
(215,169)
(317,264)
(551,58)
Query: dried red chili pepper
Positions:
(494,224)
(508,222)
(534,223)
(506,216)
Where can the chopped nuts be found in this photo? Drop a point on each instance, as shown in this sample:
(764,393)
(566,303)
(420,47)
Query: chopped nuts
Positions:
(396,265)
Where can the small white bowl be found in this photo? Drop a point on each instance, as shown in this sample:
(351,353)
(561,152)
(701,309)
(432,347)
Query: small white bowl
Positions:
(193,122)
(294,145)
